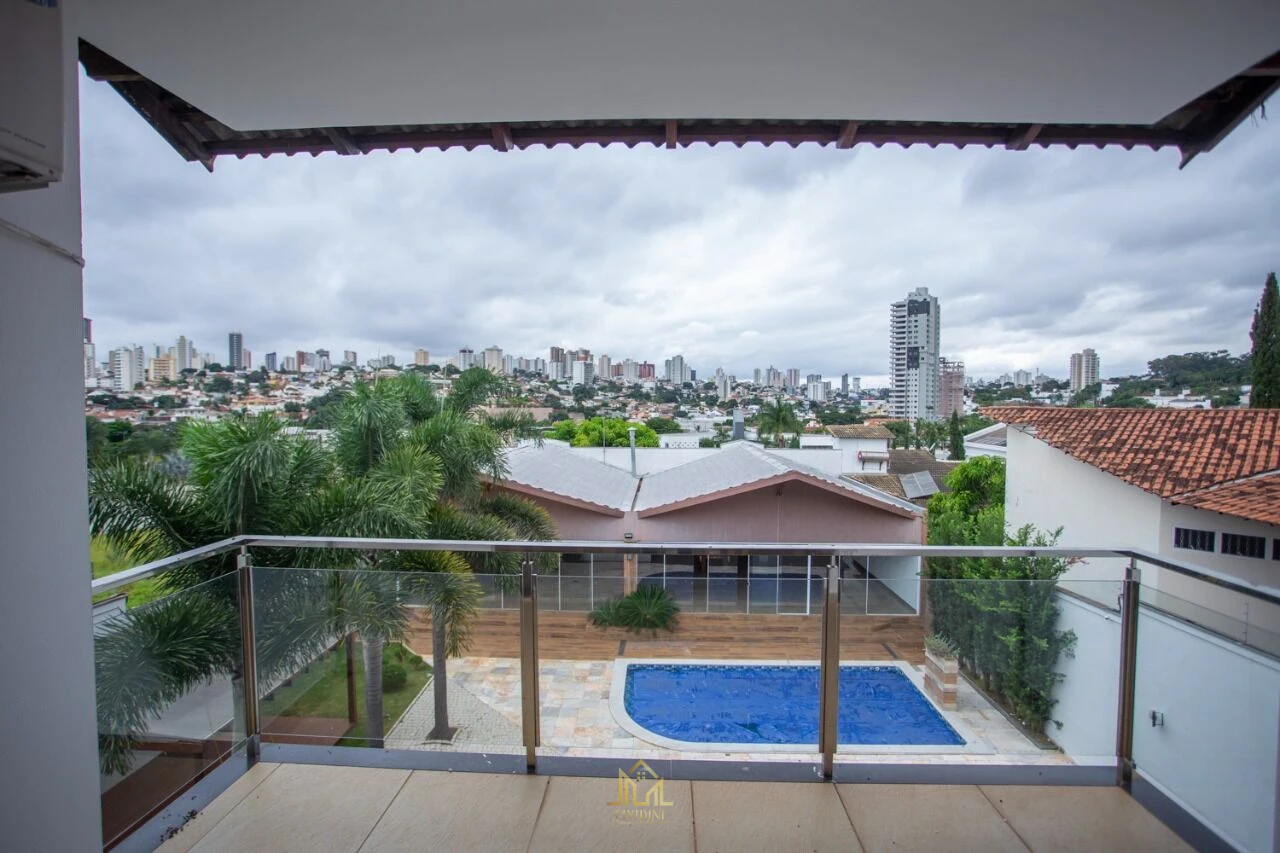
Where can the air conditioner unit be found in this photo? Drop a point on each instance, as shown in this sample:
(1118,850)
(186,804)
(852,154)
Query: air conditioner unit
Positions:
(31,94)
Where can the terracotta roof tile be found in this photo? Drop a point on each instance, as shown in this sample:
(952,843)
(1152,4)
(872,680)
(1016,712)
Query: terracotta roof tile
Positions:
(1165,451)
(859,431)
(1257,499)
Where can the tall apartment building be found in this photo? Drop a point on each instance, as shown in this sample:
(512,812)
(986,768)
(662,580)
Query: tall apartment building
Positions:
(323,361)
(584,372)
(1085,369)
(235,351)
(466,358)
(90,352)
(184,353)
(350,358)
(677,370)
(271,362)
(492,359)
(289,364)
(647,370)
(604,367)
(127,368)
(915,325)
(421,358)
(793,378)
(950,388)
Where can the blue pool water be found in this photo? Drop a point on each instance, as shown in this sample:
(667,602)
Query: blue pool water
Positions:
(713,703)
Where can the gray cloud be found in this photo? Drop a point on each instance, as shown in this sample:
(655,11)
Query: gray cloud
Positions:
(738,258)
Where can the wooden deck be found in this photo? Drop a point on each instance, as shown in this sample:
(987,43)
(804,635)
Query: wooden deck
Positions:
(733,636)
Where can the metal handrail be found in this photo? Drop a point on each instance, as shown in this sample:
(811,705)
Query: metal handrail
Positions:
(562,546)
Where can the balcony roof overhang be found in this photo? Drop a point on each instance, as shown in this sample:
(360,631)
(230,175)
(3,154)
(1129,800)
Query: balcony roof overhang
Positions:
(246,78)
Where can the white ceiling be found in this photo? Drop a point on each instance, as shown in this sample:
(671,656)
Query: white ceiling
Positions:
(259,64)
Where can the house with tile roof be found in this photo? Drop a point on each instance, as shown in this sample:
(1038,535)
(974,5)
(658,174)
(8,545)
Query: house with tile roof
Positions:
(738,493)
(1199,486)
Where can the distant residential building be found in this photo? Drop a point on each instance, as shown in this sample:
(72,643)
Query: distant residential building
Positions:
(757,376)
(290,364)
(584,373)
(88,330)
(270,362)
(90,360)
(127,368)
(163,368)
(844,383)
(793,379)
(630,370)
(323,362)
(724,385)
(466,358)
(855,385)
(246,359)
(816,391)
(915,325)
(647,370)
(950,388)
(1085,369)
(235,351)
(604,367)
(421,358)
(773,377)
(493,359)
(509,364)
(350,358)
(1022,378)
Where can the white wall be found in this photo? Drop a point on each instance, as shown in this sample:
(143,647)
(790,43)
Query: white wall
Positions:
(48,733)
(900,574)
(1250,613)
(1088,697)
(1050,489)
(1216,753)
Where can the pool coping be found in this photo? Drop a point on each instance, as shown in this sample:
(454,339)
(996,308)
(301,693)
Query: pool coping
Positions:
(617,707)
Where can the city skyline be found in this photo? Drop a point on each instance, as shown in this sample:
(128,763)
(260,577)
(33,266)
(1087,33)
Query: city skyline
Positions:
(733,258)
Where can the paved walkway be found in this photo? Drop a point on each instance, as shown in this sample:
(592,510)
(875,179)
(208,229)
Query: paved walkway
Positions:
(304,808)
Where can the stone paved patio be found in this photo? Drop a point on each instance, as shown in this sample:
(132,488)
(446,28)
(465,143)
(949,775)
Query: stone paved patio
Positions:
(484,702)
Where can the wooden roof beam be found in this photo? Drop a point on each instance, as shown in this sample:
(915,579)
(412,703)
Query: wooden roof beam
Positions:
(848,135)
(1021,139)
(106,68)
(502,140)
(672,133)
(342,141)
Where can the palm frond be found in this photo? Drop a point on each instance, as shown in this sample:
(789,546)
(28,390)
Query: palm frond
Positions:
(417,396)
(472,388)
(448,522)
(369,424)
(145,513)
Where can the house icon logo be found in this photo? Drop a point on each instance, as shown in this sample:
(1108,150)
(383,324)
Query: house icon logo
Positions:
(641,796)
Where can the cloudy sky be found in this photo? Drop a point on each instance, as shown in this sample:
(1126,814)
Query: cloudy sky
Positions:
(737,258)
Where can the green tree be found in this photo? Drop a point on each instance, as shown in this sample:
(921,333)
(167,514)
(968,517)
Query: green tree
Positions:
(955,438)
(663,425)
(1265,355)
(775,420)
(612,432)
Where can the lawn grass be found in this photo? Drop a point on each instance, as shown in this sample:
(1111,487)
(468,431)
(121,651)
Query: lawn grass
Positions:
(322,692)
(106,560)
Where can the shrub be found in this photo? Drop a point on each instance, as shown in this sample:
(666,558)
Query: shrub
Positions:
(647,609)
(394,677)
(940,647)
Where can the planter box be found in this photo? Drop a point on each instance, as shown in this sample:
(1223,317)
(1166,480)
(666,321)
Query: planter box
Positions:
(940,679)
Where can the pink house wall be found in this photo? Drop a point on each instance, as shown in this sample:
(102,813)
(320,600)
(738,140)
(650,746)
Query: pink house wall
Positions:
(792,512)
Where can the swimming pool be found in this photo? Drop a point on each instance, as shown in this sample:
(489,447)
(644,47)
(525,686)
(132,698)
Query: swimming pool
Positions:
(777,704)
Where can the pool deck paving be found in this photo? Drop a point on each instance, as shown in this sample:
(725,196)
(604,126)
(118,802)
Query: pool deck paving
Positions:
(291,807)
(578,721)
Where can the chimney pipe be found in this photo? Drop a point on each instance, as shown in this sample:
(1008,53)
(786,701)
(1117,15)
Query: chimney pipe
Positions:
(631,431)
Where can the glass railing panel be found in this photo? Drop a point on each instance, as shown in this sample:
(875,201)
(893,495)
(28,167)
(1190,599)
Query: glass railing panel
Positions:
(169,696)
(339,648)
(1206,701)
(723,680)
(1034,678)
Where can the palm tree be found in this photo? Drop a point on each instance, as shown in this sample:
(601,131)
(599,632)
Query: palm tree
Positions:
(775,420)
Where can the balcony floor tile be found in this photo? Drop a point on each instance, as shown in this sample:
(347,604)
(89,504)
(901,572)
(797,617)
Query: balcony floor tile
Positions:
(927,817)
(1101,820)
(771,816)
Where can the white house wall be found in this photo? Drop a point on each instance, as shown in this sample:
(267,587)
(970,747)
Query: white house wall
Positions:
(1260,572)
(1050,489)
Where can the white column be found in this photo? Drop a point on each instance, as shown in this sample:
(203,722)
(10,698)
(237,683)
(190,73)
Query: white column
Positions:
(48,741)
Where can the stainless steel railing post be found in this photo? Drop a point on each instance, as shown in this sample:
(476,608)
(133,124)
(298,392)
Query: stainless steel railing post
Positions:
(829,672)
(529,703)
(249,654)
(1128,673)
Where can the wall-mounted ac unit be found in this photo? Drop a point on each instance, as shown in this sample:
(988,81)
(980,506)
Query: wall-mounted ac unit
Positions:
(31,94)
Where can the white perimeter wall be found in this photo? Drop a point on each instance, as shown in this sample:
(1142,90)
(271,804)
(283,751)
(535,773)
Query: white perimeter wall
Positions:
(1216,753)
(1087,698)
